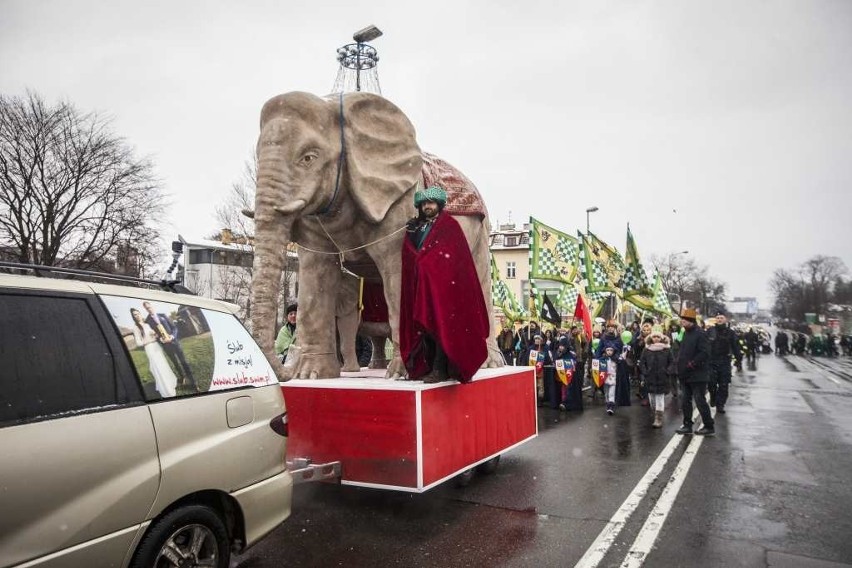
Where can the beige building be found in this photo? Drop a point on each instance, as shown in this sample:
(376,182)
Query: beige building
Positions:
(221,268)
(510,247)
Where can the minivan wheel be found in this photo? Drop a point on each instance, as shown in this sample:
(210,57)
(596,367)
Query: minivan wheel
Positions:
(187,537)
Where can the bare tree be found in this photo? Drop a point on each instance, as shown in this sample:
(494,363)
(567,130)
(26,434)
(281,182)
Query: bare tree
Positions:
(677,272)
(71,191)
(681,275)
(808,288)
(241,198)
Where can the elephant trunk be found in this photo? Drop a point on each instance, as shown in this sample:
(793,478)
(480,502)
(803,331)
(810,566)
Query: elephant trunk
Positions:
(272,234)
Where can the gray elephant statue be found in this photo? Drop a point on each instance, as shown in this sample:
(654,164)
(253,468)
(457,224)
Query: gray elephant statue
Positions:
(337,175)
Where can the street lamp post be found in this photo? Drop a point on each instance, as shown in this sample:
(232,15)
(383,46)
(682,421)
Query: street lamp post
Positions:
(589,210)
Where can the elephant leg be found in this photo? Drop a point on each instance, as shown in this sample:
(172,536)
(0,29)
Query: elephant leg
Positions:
(319,282)
(347,321)
(477,233)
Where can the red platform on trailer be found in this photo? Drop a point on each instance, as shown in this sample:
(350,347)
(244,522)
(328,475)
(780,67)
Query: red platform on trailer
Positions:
(406,435)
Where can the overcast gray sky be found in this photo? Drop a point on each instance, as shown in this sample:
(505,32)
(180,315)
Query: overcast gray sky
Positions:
(721,127)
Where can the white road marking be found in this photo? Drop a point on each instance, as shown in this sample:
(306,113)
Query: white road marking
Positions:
(607,536)
(650,531)
(822,372)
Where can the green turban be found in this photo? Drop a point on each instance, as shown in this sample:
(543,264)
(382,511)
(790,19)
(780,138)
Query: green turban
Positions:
(433,193)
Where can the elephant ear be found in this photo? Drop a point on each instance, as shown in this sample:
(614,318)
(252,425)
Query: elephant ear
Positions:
(382,155)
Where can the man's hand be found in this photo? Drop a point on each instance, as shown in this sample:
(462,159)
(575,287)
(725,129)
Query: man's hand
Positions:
(690,365)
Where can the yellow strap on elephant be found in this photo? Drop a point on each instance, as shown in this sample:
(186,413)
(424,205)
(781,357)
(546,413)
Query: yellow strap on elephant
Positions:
(360,295)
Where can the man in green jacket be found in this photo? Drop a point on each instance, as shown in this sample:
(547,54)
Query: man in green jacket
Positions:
(287,334)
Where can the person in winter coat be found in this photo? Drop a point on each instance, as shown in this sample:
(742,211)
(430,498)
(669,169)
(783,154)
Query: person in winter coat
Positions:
(607,364)
(655,363)
(692,371)
(638,346)
(609,339)
(506,344)
(526,336)
(752,345)
(723,348)
(566,361)
(538,356)
(287,333)
(675,337)
(782,343)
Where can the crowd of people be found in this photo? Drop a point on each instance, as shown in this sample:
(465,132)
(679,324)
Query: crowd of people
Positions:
(790,342)
(647,361)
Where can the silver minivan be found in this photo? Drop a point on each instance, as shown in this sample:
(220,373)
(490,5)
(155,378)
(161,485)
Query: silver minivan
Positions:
(138,427)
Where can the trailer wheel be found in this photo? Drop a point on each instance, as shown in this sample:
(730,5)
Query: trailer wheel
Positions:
(463,479)
(489,467)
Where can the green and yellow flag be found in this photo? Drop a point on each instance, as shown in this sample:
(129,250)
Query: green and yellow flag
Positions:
(567,297)
(603,266)
(661,298)
(503,297)
(554,255)
(634,281)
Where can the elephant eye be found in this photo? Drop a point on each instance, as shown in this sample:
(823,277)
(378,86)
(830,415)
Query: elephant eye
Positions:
(308,159)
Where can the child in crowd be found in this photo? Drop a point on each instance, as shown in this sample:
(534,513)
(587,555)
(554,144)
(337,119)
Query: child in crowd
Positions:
(655,364)
(608,365)
(568,376)
(539,357)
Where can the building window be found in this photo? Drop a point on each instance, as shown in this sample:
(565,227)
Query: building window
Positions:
(511,242)
(199,256)
(510,270)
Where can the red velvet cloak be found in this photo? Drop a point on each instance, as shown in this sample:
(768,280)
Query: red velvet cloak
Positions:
(441,296)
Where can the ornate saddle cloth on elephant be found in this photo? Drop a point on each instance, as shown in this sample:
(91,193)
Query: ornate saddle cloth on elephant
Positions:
(462,196)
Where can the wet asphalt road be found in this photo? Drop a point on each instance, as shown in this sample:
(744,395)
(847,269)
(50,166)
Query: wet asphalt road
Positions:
(773,488)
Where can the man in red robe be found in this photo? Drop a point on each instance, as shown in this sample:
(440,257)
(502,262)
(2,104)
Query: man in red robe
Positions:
(443,322)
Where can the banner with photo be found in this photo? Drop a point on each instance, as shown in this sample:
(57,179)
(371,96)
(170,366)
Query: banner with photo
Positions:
(180,350)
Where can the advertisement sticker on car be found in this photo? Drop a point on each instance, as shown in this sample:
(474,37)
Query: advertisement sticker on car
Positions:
(179,350)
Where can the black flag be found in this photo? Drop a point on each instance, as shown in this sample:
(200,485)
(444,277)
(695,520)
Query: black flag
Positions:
(549,313)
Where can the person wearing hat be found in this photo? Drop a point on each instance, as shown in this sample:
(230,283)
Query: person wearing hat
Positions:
(723,348)
(692,372)
(287,334)
(443,322)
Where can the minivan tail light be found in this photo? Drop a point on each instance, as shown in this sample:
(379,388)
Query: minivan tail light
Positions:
(279,425)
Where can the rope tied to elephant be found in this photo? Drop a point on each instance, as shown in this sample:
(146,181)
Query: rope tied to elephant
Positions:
(341,252)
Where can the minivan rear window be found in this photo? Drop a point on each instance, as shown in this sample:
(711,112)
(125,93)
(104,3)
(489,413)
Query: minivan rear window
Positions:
(54,358)
(181,350)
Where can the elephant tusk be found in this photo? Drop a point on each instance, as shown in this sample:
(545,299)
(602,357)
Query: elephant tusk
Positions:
(248,213)
(291,207)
